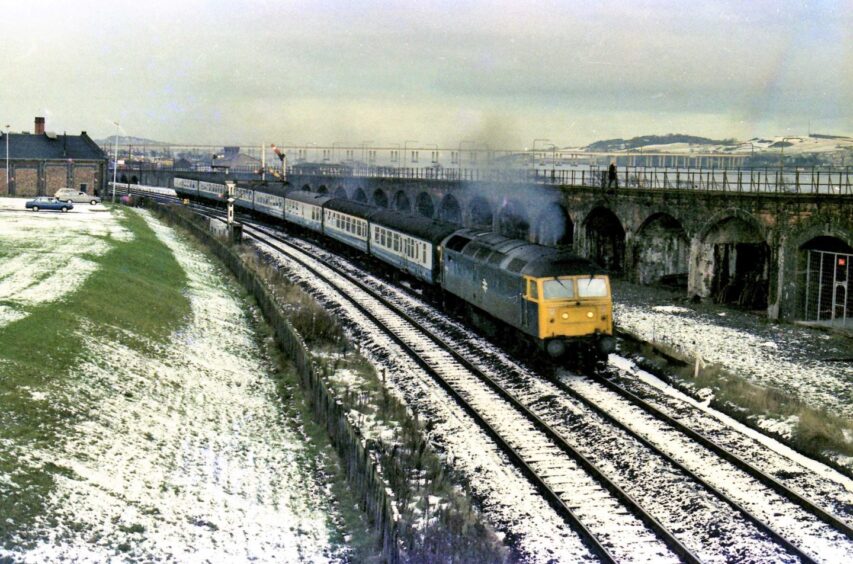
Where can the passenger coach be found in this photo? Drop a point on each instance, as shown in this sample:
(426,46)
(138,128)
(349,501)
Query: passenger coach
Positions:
(410,244)
(305,209)
(348,222)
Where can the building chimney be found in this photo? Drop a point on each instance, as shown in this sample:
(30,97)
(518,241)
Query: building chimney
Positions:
(39,125)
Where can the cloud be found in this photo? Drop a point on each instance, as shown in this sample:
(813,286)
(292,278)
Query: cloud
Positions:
(441,71)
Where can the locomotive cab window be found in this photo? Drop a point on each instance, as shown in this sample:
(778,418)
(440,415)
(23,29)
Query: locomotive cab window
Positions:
(558,289)
(592,287)
(532,289)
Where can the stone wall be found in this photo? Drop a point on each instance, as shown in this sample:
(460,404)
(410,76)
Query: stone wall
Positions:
(26,182)
(56,177)
(85,175)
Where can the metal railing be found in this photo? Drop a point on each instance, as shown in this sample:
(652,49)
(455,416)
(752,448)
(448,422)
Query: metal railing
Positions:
(826,181)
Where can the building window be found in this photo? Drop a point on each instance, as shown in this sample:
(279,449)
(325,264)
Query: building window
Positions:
(84,187)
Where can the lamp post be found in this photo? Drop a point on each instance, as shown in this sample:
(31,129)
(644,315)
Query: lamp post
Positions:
(533,160)
(7,159)
(335,146)
(406,146)
(364,145)
(782,152)
(459,150)
(115,163)
(434,147)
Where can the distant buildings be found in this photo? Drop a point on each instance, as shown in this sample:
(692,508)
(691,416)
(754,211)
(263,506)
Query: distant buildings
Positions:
(42,162)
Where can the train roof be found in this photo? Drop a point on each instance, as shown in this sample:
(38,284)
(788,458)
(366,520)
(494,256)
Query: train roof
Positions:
(518,256)
(351,207)
(308,197)
(276,188)
(421,227)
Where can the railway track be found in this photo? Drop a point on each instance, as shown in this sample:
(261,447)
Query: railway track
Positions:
(573,486)
(551,420)
(805,541)
(694,512)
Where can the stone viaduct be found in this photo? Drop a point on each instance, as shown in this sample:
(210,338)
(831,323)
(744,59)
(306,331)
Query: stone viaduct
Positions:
(743,248)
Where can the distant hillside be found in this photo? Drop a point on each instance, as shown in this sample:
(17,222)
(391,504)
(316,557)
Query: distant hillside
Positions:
(128,140)
(822,136)
(644,140)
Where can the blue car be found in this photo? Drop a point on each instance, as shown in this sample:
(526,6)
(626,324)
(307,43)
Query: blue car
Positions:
(48,203)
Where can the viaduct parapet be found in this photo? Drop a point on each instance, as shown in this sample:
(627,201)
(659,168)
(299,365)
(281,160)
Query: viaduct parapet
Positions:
(786,253)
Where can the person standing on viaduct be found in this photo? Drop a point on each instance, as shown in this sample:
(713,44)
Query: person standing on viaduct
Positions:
(612,181)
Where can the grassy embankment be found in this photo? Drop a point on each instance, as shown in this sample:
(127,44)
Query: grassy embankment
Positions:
(814,432)
(135,297)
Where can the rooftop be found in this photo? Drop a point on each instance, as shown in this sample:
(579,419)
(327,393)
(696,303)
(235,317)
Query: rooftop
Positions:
(49,145)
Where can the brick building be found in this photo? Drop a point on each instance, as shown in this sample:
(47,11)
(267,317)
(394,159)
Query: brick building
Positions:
(42,162)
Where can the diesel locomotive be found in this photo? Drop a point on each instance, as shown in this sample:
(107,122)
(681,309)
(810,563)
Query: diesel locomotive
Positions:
(556,301)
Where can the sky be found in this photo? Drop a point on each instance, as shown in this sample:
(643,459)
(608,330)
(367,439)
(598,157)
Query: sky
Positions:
(501,73)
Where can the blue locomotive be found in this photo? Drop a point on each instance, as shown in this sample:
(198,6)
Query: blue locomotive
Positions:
(559,302)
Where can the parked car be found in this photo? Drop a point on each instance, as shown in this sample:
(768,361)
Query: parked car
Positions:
(69,195)
(48,203)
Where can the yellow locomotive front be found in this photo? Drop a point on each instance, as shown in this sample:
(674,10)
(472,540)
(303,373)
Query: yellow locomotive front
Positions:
(573,313)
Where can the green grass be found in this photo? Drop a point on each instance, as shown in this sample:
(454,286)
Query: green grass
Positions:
(136,297)
(817,433)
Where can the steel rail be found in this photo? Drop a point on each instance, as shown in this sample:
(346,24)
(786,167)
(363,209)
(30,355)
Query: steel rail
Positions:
(678,548)
(721,451)
(674,544)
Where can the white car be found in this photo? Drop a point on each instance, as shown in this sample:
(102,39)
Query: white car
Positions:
(70,196)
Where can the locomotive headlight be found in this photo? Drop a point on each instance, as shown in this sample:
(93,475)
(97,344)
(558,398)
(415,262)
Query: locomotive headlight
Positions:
(565,315)
(589,314)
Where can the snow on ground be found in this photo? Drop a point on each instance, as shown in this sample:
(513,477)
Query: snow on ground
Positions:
(781,356)
(189,457)
(769,442)
(44,254)
(509,502)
